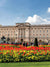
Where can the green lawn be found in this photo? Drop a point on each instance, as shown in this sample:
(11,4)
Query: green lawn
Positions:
(26,64)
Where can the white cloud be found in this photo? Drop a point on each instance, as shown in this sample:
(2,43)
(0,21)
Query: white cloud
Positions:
(37,20)
(49,10)
(2,2)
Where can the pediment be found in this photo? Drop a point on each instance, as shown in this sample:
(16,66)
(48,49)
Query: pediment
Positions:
(22,24)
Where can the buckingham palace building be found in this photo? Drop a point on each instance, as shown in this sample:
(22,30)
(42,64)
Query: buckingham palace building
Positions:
(25,32)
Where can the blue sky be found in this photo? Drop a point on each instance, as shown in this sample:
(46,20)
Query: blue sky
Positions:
(33,11)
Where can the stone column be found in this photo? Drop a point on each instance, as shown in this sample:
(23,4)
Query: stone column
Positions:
(19,35)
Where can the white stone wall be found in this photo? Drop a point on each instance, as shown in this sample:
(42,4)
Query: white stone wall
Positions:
(27,33)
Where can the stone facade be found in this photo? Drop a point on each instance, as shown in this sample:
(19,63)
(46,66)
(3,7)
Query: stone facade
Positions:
(26,32)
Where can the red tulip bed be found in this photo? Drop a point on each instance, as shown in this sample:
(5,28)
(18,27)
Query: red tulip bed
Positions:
(13,53)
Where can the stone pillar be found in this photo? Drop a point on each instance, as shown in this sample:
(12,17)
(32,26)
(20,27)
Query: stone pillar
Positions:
(19,35)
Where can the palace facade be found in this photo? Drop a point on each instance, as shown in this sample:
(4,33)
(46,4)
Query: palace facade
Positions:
(25,32)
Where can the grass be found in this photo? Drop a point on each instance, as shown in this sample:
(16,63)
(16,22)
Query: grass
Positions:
(26,64)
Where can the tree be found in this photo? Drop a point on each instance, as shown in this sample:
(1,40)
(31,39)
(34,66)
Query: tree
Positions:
(36,42)
(8,39)
(3,39)
(21,41)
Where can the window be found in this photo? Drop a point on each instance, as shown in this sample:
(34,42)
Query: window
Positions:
(16,34)
(47,31)
(33,34)
(40,35)
(8,34)
(7,29)
(43,31)
(16,37)
(47,35)
(40,31)
(33,31)
(43,35)
(37,34)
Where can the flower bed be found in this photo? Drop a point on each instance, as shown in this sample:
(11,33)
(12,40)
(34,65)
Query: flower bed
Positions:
(21,53)
(44,45)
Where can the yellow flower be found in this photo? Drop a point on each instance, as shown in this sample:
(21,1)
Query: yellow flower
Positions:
(29,58)
(37,53)
(0,60)
(24,51)
(31,51)
(32,57)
